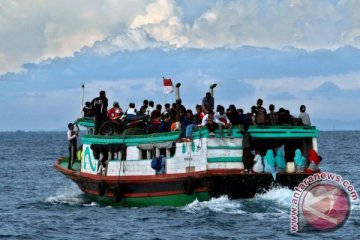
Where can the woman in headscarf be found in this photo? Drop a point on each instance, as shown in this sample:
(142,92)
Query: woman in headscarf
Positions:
(269,163)
(280,160)
(299,161)
(314,161)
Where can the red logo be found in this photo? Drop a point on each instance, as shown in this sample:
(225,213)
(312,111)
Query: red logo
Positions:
(325,206)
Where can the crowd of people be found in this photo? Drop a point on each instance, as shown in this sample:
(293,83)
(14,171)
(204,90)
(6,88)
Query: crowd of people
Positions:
(275,162)
(154,119)
(175,116)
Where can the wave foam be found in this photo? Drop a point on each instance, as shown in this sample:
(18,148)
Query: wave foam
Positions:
(69,195)
(222,204)
(279,195)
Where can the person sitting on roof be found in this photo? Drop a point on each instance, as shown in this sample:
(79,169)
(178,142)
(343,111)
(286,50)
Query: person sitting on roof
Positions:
(209,122)
(223,121)
(314,162)
(273,117)
(299,161)
(305,119)
(150,108)
(155,123)
(284,117)
(131,111)
(88,110)
(269,163)
(115,112)
(165,124)
(142,111)
(280,160)
(233,115)
(156,111)
(198,116)
(167,109)
(187,126)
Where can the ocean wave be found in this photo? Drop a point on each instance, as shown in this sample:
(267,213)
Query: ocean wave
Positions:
(279,195)
(67,195)
(222,204)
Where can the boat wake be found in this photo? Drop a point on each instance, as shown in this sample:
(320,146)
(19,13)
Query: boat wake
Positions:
(222,204)
(275,201)
(280,196)
(68,195)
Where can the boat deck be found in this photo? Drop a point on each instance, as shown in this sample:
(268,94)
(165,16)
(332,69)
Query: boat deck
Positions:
(76,166)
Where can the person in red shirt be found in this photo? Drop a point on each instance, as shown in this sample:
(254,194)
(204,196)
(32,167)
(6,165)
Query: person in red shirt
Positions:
(115,112)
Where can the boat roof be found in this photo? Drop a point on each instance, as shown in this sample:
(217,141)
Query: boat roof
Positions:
(256,131)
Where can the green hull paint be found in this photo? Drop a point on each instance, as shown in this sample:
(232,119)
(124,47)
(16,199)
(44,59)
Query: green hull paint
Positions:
(169,200)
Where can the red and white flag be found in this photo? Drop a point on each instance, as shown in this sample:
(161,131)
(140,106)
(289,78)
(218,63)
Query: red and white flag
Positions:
(168,86)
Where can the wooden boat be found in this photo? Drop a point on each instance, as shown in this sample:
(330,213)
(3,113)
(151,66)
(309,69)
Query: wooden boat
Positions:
(205,167)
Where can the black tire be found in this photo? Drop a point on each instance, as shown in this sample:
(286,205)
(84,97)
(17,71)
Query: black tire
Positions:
(188,186)
(118,193)
(101,188)
(107,128)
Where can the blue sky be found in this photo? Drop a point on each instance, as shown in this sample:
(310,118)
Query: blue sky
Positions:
(287,52)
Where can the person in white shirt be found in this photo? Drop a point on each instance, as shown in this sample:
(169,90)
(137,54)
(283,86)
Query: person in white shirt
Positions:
(305,118)
(131,111)
(150,108)
(209,122)
(223,121)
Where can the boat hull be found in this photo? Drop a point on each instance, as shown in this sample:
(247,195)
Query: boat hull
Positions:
(246,185)
(175,189)
(165,189)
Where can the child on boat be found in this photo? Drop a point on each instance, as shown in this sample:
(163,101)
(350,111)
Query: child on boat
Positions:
(258,165)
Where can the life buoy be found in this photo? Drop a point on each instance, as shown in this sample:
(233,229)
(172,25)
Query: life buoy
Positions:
(188,186)
(101,188)
(118,193)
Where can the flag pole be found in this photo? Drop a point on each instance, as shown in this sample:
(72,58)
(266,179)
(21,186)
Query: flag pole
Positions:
(163,95)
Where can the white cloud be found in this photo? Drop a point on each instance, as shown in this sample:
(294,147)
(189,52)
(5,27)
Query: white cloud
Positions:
(34,30)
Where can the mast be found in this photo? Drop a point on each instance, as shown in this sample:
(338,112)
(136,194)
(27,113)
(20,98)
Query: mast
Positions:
(212,86)
(177,101)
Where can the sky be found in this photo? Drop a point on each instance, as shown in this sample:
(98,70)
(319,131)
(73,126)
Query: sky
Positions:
(287,52)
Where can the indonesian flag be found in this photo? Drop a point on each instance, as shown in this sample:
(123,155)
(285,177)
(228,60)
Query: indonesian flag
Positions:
(168,86)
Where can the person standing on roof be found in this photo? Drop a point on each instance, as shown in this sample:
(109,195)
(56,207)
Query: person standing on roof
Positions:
(207,103)
(72,135)
(100,105)
(260,113)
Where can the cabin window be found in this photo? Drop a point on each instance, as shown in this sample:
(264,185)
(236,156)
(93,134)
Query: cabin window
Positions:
(149,151)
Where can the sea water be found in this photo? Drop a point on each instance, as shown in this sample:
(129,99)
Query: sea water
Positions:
(37,202)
